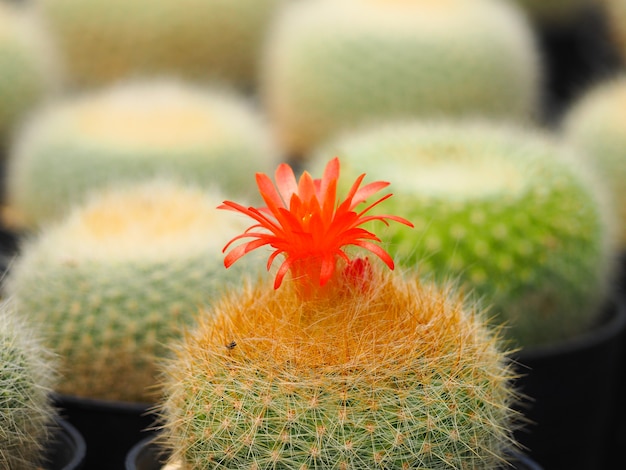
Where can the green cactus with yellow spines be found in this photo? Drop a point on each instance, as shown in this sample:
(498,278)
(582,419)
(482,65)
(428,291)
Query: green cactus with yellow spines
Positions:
(27,373)
(329,66)
(596,125)
(107,40)
(508,212)
(133,131)
(29,71)
(118,278)
(342,365)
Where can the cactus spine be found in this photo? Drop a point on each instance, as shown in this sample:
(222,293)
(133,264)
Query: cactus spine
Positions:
(26,375)
(596,125)
(129,132)
(332,65)
(504,210)
(107,40)
(118,278)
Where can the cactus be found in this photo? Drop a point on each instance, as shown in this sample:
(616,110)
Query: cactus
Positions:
(131,131)
(596,125)
(616,13)
(343,366)
(107,40)
(330,65)
(26,375)
(504,210)
(118,278)
(29,72)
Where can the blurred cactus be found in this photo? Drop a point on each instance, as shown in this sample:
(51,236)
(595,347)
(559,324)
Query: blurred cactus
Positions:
(26,373)
(342,366)
(118,278)
(330,65)
(107,40)
(596,125)
(133,131)
(29,72)
(506,211)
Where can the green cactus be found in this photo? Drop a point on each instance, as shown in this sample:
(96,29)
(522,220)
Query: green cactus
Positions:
(107,40)
(400,376)
(131,131)
(118,278)
(504,210)
(26,375)
(331,65)
(596,125)
(28,71)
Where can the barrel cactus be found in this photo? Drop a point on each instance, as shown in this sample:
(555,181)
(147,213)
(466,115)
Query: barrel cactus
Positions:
(509,212)
(596,125)
(118,278)
(330,65)
(135,130)
(29,72)
(26,375)
(340,366)
(107,40)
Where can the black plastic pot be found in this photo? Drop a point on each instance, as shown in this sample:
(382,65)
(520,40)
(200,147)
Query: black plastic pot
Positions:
(146,455)
(66,449)
(576,54)
(109,428)
(573,387)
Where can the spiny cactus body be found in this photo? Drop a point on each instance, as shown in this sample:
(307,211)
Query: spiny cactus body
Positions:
(28,70)
(331,65)
(26,373)
(132,131)
(117,279)
(503,210)
(387,374)
(108,40)
(596,124)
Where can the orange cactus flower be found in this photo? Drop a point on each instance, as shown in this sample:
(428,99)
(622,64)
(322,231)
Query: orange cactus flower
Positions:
(304,222)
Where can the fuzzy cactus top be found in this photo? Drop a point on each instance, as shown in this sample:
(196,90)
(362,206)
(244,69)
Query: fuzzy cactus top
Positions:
(341,365)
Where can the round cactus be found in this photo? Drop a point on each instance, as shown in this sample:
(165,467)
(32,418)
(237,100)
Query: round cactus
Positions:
(28,71)
(616,13)
(403,376)
(505,211)
(596,124)
(330,65)
(26,374)
(118,278)
(132,131)
(341,365)
(105,40)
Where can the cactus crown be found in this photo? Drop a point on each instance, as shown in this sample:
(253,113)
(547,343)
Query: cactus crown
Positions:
(308,226)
